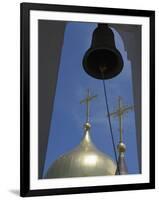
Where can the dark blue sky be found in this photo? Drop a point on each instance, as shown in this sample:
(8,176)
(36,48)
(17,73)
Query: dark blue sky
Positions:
(68,116)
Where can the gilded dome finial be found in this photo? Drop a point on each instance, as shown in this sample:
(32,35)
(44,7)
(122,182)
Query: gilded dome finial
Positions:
(121,110)
(87,101)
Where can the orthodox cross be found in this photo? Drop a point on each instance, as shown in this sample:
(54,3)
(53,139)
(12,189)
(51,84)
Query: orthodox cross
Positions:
(121,110)
(87,101)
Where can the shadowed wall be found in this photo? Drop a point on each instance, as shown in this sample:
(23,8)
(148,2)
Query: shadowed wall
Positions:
(51,34)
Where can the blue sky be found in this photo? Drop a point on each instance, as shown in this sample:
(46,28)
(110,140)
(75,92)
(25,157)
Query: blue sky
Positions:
(68,115)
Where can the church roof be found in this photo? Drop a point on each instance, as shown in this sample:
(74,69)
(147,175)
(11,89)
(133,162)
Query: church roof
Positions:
(84,160)
(122,167)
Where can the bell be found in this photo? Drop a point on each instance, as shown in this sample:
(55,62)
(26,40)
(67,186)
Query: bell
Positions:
(102,60)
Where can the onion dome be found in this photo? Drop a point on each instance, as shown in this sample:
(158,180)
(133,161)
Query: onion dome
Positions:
(122,167)
(83,160)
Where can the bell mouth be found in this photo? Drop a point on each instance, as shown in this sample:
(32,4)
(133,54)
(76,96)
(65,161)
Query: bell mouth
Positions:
(103,63)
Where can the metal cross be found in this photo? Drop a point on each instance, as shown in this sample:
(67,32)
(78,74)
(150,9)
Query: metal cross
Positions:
(121,110)
(87,101)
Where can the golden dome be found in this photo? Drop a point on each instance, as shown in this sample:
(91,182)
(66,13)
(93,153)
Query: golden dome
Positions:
(84,160)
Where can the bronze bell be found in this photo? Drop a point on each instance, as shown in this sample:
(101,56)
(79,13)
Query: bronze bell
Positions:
(102,60)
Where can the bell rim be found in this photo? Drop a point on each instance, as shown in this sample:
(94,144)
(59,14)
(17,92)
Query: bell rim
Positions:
(116,51)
